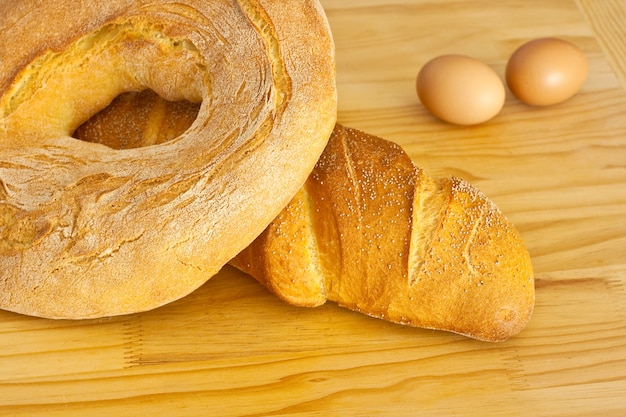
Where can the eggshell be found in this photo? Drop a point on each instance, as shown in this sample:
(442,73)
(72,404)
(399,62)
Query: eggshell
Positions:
(546,71)
(461,90)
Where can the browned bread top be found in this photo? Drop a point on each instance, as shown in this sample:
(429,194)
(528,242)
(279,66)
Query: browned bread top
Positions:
(87,230)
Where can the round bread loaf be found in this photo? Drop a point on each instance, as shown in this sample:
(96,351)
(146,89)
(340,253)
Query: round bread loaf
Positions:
(87,230)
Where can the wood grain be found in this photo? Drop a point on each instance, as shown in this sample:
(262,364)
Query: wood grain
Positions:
(559,173)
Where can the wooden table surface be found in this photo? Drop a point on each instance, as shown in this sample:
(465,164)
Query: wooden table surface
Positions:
(559,173)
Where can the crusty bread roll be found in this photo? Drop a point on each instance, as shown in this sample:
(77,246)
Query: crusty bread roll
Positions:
(87,230)
(372,232)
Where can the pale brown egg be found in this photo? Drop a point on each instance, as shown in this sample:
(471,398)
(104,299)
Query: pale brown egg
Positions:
(546,71)
(461,90)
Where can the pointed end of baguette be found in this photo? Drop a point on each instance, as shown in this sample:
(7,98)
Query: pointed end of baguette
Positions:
(476,276)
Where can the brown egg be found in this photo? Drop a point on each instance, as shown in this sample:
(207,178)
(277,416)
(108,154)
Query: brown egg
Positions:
(461,90)
(546,71)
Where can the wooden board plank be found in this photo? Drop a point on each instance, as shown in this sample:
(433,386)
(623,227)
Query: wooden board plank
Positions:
(559,173)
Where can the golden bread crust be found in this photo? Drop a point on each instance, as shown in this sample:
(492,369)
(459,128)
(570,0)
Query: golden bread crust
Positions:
(87,230)
(390,242)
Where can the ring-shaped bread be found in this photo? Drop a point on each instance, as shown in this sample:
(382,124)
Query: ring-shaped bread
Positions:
(89,231)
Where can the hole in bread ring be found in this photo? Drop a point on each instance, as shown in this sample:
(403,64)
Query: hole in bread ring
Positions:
(106,230)
(138,119)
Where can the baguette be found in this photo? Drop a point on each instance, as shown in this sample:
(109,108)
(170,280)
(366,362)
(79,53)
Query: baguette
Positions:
(373,233)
